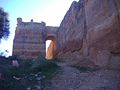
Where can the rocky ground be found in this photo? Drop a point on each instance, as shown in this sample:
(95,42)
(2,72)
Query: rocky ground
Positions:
(70,78)
(66,77)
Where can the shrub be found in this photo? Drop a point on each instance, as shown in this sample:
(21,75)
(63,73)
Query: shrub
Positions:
(27,72)
(44,66)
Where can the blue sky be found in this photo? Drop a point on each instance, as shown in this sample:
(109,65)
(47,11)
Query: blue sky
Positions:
(49,11)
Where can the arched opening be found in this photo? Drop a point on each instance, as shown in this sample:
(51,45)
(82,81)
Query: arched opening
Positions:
(50,47)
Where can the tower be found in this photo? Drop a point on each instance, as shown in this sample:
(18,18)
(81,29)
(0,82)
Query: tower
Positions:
(28,41)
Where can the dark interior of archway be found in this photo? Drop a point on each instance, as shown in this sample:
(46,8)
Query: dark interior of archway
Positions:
(50,49)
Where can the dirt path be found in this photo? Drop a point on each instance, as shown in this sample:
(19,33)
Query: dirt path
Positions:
(69,78)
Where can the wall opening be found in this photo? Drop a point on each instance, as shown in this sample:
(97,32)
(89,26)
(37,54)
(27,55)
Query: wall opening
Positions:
(47,46)
(50,48)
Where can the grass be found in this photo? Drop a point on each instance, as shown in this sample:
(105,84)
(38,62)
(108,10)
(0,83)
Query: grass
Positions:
(46,67)
(49,70)
(28,71)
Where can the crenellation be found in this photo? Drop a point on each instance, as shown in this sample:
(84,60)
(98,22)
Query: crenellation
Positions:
(19,21)
(31,20)
(30,25)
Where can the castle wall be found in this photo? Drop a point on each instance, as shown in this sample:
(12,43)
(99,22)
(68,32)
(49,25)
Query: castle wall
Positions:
(30,38)
(28,41)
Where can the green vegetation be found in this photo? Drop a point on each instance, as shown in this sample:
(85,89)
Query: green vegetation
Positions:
(4,24)
(46,67)
(28,74)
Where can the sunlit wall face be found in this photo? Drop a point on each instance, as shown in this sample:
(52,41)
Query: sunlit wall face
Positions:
(47,45)
(51,49)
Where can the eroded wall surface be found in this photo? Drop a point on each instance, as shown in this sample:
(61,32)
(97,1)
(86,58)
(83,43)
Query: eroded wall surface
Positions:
(90,32)
(30,37)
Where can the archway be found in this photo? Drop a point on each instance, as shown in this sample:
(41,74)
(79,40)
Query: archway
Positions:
(50,47)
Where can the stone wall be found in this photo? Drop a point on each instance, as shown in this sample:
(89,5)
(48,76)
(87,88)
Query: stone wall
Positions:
(89,35)
(90,32)
(30,37)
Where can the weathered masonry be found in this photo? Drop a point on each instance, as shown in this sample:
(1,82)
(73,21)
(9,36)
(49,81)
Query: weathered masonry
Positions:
(30,37)
(89,35)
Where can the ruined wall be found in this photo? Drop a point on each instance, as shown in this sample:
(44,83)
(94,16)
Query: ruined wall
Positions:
(30,37)
(88,35)
(90,32)
(28,42)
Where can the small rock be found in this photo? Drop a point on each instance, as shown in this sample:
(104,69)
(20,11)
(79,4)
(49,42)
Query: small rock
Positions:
(15,63)
(17,78)
(39,73)
(28,88)
(91,88)
(38,78)
(99,75)
(36,75)
(31,74)
(30,79)
(105,81)
(39,82)
(38,87)
(43,76)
